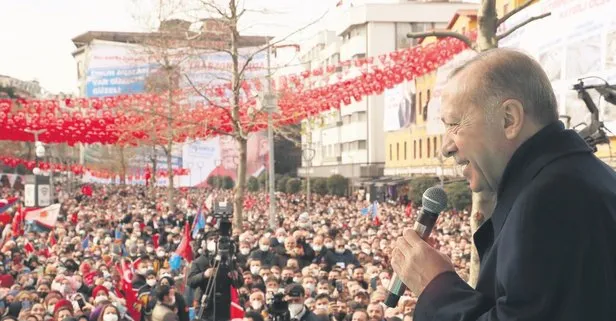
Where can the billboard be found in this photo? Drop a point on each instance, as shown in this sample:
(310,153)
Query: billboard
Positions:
(219,156)
(399,106)
(118,68)
(577,40)
(115,68)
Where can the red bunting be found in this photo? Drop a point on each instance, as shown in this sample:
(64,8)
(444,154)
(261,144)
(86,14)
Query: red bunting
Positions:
(135,119)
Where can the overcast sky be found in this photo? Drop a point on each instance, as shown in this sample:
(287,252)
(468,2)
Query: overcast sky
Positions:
(36,34)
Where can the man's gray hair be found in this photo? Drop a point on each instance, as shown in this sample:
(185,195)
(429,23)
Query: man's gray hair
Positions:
(510,74)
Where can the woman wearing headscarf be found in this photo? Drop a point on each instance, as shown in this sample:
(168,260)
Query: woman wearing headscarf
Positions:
(180,303)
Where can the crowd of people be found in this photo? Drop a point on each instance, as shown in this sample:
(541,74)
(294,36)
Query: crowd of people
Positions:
(110,257)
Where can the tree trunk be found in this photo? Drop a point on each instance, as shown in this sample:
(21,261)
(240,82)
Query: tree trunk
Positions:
(153,174)
(170,188)
(240,186)
(169,150)
(122,165)
(486,35)
(240,137)
(482,205)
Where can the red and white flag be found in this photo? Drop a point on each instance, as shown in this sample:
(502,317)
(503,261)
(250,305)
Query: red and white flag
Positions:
(237,312)
(47,216)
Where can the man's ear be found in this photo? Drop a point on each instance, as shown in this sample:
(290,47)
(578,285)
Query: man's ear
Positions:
(513,113)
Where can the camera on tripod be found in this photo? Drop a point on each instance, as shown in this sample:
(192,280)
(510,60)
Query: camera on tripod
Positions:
(278,307)
(223,212)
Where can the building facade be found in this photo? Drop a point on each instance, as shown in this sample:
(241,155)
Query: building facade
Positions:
(416,151)
(349,141)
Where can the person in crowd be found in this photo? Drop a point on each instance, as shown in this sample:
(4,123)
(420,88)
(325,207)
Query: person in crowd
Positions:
(165,309)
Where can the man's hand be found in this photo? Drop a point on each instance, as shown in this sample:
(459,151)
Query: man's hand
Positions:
(416,263)
(208,273)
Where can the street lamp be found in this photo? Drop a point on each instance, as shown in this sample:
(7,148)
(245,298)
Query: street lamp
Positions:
(37,190)
(268,104)
(308,154)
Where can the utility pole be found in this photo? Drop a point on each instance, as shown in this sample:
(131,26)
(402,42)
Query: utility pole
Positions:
(269,105)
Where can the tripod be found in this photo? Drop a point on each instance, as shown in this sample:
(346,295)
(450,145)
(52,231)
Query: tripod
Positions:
(210,288)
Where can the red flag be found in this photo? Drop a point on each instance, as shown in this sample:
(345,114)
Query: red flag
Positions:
(86,190)
(52,239)
(407,211)
(237,312)
(29,248)
(155,239)
(184,249)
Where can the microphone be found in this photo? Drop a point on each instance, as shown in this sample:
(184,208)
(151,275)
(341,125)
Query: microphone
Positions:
(433,202)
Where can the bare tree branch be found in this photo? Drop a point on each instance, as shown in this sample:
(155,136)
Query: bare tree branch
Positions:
(513,12)
(522,24)
(442,34)
(286,133)
(215,8)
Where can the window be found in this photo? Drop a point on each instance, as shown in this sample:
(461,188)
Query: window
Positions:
(362,144)
(414,149)
(420,102)
(428,150)
(420,147)
(435,147)
(361,116)
(402,29)
(390,152)
(346,119)
(397,151)
(404,150)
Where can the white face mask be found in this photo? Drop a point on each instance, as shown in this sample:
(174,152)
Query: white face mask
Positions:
(317,248)
(143,271)
(264,248)
(384,282)
(319,307)
(281,239)
(108,285)
(160,254)
(329,245)
(244,251)
(310,287)
(100,299)
(255,269)
(256,305)
(110,317)
(151,282)
(211,246)
(295,309)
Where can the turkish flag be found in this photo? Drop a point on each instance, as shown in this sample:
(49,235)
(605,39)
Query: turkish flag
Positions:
(237,312)
(184,249)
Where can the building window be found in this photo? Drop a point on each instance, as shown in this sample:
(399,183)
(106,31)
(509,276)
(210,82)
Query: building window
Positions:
(428,149)
(361,144)
(420,147)
(391,152)
(414,149)
(402,42)
(420,102)
(404,150)
(397,151)
(435,147)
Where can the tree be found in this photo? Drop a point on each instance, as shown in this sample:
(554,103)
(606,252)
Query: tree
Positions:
(483,204)
(458,195)
(241,118)
(294,185)
(253,184)
(418,185)
(337,185)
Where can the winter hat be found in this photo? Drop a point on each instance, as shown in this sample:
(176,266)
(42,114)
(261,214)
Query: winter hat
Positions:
(63,305)
(96,291)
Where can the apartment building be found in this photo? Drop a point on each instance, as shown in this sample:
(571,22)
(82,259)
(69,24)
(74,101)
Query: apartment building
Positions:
(350,141)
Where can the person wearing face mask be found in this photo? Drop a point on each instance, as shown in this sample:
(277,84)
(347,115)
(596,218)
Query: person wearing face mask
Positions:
(257,301)
(295,296)
(165,309)
(243,253)
(100,294)
(340,256)
(139,277)
(264,253)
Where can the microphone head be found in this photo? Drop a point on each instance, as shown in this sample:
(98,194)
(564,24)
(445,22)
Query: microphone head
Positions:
(434,200)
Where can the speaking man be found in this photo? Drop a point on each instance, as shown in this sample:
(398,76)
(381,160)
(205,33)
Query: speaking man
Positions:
(548,252)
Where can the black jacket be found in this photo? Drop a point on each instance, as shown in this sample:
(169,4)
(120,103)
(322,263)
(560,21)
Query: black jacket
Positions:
(549,250)
(198,281)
